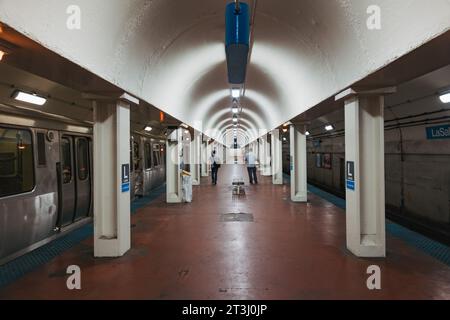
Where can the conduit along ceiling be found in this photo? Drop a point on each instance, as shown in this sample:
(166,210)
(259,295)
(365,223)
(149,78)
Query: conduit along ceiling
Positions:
(171,53)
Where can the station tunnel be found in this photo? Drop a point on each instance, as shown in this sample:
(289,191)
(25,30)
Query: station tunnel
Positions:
(221,149)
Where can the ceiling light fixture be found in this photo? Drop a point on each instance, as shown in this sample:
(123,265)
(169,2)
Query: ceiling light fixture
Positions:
(445,97)
(236,93)
(29,98)
(148,128)
(184,126)
(329,127)
(2,54)
(307,133)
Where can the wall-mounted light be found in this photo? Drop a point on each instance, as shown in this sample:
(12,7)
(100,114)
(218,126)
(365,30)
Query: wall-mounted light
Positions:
(6,47)
(329,127)
(29,98)
(148,129)
(445,97)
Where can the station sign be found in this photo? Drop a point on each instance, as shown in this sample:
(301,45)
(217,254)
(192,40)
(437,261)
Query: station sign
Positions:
(350,175)
(125,178)
(439,132)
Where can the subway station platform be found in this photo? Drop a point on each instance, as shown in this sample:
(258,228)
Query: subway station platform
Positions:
(220,246)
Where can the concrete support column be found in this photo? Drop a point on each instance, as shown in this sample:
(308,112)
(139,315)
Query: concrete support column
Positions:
(204,157)
(299,185)
(277,158)
(365,180)
(267,170)
(224,154)
(196,154)
(112,237)
(174,148)
(260,154)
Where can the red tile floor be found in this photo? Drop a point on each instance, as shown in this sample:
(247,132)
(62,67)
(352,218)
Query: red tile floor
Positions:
(289,251)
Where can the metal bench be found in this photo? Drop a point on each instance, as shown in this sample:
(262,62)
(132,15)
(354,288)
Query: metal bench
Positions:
(238,186)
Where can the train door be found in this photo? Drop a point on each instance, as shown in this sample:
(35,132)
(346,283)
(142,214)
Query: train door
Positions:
(137,167)
(67,184)
(82,177)
(75,180)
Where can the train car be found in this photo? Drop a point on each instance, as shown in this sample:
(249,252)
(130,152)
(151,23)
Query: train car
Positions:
(148,169)
(46,179)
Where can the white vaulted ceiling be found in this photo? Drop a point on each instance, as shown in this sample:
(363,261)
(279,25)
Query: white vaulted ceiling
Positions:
(170,53)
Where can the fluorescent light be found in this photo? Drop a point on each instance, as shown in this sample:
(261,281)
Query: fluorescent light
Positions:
(148,128)
(445,97)
(329,127)
(236,93)
(29,98)
(307,133)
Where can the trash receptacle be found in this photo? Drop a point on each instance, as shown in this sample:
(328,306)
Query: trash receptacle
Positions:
(187,188)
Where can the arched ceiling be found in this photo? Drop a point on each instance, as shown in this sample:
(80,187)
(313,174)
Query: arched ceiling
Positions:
(171,54)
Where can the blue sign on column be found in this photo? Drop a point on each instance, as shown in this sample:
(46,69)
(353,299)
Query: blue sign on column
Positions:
(125,178)
(351,185)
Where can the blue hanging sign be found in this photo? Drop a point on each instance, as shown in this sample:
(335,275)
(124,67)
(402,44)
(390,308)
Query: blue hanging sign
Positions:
(237,39)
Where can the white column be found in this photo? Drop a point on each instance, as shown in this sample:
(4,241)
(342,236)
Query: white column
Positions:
(207,156)
(196,146)
(204,157)
(224,154)
(299,185)
(174,147)
(267,170)
(364,152)
(112,237)
(261,154)
(277,158)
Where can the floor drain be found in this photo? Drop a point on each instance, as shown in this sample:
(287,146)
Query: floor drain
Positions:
(236,217)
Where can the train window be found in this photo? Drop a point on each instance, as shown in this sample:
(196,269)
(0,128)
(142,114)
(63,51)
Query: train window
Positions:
(136,155)
(131,156)
(66,160)
(16,162)
(83,159)
(156,155)
(41,154)
(148,154)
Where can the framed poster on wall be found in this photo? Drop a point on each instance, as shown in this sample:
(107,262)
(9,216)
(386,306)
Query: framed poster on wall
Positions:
(327,161)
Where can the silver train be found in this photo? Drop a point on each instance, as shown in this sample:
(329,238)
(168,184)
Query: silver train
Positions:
(46,179)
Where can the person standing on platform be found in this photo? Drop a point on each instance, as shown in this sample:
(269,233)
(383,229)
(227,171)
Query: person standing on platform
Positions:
(215,165)
(250,160)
